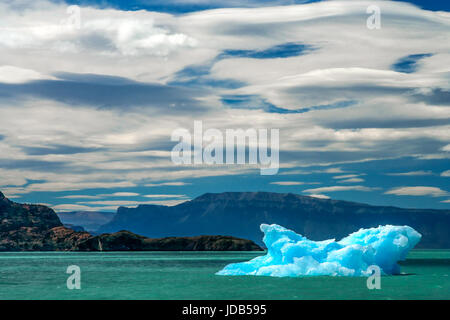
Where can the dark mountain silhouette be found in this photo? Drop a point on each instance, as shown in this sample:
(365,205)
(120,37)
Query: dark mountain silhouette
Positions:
(27,227)
(240,213)
(14,216)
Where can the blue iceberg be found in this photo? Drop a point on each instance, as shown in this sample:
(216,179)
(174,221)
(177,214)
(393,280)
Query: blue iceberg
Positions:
(290,254)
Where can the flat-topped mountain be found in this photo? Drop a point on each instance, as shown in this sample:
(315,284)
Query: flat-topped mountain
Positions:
(27,227)
(239,214)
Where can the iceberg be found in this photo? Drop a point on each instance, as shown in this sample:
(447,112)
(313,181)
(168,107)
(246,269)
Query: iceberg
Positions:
(290,254)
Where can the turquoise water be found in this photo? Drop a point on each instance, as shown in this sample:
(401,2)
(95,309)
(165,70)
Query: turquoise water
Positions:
(190,275)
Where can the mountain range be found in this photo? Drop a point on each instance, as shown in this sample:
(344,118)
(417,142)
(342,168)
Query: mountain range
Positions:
(28,227)
(89,220)
(239,214)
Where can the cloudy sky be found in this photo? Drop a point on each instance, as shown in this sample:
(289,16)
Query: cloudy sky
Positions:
(88,105)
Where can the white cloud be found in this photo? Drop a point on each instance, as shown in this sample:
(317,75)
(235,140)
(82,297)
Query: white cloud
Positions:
(412,173)
(165,196)
(75,186)
(288,183)
(131,36)
(351,180)
(79,196)
(10,178)
(418,191)
(101,32)
(172,184)
(347,176)
(133,203)
(330,67)
(333,170)
(294,172)
(319,196)
(338,188)
(70,207)
(445,173)
(120,194)
(108,41)
(11,74)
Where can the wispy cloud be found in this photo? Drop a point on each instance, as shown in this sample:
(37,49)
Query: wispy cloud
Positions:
(339,188)
(71,207)
(319,196)
(412,173)
(120,194)
(79,196)
(418,191)
(294,172)
(352,180)
(288,183)
(165,196)
(333,170)
(131,203)
(445,173)
(347,176)
(171,184)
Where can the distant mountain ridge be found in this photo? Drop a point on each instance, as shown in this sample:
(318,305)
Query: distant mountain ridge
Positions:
(28,227)
(240,213)
(90,220)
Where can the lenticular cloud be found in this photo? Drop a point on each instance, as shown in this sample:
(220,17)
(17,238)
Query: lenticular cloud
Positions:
(290,254)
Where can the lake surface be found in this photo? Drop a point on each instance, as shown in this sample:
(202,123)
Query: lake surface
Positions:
(191,275)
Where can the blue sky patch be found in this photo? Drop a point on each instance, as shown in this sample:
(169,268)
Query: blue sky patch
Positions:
(181,6)
(254,102)
(409,64)
(285,50)
(186,6)
(433,5)
(199,76)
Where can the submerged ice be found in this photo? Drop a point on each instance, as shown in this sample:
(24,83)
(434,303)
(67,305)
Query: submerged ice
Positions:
(290,254)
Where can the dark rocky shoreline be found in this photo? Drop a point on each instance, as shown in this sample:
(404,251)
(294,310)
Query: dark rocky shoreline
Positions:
(26,227)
